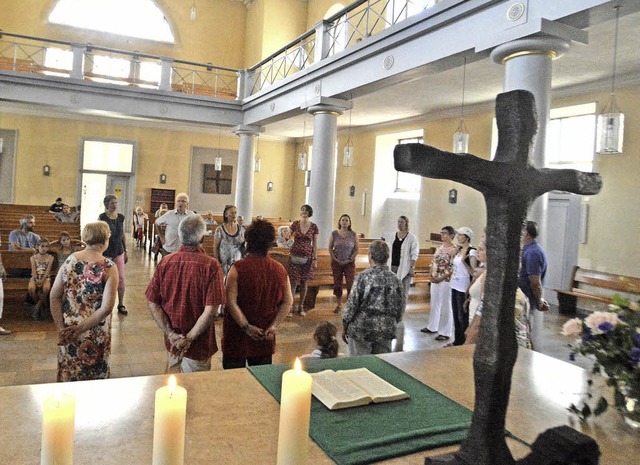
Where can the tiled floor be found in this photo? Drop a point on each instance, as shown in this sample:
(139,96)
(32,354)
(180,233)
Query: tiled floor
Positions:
(29,357)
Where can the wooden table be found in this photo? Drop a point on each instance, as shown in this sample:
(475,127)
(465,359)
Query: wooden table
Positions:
(231,419)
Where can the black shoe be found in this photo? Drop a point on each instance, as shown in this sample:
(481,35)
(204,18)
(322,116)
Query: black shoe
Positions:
(427,330)
(122,310)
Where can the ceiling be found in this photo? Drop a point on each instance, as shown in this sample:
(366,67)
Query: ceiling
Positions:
(585,68)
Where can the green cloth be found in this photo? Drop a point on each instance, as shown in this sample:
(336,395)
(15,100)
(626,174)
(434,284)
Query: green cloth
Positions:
(376,432)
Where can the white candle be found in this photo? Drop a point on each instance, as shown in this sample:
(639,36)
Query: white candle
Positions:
(169,424)
(295,410)
(58,419)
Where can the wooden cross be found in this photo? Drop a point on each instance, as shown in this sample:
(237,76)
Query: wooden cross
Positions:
(509,185)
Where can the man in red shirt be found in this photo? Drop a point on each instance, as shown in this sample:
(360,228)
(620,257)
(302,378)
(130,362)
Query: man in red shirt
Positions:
(182,296)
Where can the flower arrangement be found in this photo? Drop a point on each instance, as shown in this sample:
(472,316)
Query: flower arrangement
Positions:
(612,338)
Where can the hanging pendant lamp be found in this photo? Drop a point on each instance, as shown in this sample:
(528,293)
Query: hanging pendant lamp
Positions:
(461,136)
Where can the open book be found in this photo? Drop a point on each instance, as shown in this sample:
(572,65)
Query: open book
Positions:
(352,388)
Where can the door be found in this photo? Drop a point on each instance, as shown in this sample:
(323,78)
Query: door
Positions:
(563,241)
(119,186)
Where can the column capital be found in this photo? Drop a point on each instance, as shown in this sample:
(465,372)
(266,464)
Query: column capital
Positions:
(553,47)
(243,129)
(328,105)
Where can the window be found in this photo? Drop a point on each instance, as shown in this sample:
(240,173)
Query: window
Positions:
(108,156)
(58,59)
(407,182)
(108,66)
(571,138)
(132,18)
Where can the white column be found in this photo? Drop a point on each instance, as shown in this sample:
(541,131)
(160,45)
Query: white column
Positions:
(244,179)
(528,66)
(323,167)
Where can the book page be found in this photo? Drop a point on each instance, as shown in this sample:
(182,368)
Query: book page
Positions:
(377,388)
(335,393)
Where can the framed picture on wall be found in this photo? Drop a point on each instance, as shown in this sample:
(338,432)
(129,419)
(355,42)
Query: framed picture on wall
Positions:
(217,182)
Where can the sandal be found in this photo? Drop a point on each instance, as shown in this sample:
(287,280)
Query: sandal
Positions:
(338,309)
(122,310)
(440,337)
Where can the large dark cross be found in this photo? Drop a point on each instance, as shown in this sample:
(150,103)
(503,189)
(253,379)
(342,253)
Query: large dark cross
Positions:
(509,184)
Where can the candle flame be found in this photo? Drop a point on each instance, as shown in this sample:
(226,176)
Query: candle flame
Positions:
(297,365)
(172,384)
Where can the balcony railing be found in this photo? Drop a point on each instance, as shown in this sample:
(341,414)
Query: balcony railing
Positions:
(358,21)
(355,23)
(101,64)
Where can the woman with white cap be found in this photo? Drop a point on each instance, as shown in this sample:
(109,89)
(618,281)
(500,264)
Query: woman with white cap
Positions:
(464,265)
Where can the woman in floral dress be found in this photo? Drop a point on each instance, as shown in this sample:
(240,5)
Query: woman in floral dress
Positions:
(82,298)
(441,315)
(303,255)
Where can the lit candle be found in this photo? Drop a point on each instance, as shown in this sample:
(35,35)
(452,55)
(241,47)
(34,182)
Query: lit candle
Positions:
(295,410)
(169,424)
(58,419)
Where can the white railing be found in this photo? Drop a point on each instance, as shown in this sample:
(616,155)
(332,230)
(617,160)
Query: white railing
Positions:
(355,23)
(100,64)
(358,21)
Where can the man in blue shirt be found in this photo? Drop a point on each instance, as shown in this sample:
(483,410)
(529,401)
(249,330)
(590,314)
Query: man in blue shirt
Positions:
(533,267)
(24,238)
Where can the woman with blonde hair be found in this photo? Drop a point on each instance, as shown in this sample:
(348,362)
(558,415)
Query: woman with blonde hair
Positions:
(82,298)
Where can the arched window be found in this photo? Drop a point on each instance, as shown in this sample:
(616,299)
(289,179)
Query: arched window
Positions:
(132,18)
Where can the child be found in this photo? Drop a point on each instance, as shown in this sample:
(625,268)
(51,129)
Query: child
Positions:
(326,341)
(64,247)
(39,284)
(139,222)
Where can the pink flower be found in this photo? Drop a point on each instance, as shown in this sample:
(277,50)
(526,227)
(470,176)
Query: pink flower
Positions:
(594,321)
(93,273)
(572,327)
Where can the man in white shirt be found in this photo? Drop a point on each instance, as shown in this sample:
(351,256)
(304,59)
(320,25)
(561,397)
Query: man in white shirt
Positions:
(169,222)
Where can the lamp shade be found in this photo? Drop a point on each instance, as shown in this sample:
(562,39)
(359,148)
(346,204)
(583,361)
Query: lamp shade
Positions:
(302,161)
(218,163)
(610,133)
(257,165)
(347,159)
(460,142)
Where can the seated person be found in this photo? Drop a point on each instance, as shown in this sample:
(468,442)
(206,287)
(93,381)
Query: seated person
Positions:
(164,208)
(57,206)
(284,237)
(66,215)
(64,246)
(40,283)
(326,340)
(24,238)
(208,218)
(139,226)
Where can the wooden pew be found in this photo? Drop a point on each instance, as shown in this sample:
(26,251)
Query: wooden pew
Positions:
(323,277)
(595,286)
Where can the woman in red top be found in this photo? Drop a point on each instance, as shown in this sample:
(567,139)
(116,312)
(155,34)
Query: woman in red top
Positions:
(303,254)
(258,300)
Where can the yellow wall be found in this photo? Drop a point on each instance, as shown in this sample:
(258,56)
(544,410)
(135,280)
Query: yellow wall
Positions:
(222,22)
(254,34)
(56,142)
(277,165)
(614,214)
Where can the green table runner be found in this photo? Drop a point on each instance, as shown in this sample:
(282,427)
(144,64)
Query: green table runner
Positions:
(375,432)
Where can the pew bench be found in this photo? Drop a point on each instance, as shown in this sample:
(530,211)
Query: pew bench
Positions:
(323,276)
(17,265)
(595,287)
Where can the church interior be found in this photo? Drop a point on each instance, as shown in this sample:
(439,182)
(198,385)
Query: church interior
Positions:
(303,102)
